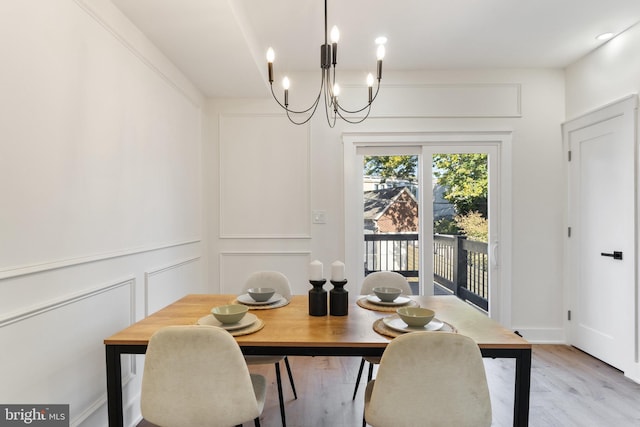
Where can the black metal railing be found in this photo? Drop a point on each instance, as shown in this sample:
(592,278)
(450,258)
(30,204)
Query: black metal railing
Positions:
(459,265)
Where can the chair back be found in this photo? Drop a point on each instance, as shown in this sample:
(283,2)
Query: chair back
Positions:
(269,279)
(196,376)
(429,379)
(385,278)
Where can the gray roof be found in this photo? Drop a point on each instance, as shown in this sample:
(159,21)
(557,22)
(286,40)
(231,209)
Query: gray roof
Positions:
(376,202)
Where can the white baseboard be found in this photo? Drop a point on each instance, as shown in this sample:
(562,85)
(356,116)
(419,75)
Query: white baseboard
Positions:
(543,336)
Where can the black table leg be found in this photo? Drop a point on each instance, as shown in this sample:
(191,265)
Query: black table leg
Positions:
(522,357)
(522,388)
(114,386)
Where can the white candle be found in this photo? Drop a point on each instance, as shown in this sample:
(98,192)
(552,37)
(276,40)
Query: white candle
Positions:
(315,270)
(337,271)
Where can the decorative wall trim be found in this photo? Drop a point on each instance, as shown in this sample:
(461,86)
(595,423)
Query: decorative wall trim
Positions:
(170,267)
(12,272)
(89,410)
(149,274)
(303,232)
(38,309)
(71,299)
(254,253)
(92,11)
(481,100)
(266,236)
(228,269)
(101,401)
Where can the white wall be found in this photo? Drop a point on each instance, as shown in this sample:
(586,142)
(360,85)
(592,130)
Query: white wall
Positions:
(600,78)
(536,285)
(608,74)
(100,184)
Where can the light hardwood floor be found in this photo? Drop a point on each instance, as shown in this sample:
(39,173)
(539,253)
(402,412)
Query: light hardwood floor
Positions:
(568,388)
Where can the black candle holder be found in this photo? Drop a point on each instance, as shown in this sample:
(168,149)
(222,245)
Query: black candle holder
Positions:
(338,298)
(317,298)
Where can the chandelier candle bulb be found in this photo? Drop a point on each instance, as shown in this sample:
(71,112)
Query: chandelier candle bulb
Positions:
(270,57)
(380,54)
(370,85)
(335,37)
(335,34)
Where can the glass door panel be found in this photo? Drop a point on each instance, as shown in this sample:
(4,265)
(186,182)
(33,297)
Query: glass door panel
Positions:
(391,193)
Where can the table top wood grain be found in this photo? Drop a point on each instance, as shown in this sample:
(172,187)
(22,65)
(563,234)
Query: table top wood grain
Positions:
(292,326)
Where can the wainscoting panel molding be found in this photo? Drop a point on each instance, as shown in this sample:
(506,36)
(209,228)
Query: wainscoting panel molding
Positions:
(37,310)
(61,342)
(445,100)
(269,195)
(235,267)
(165,285)
(23,270)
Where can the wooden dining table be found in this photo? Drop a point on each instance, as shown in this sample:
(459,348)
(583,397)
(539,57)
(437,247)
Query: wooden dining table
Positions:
(290,330)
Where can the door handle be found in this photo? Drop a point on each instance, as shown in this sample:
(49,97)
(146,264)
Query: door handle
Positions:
(614,255)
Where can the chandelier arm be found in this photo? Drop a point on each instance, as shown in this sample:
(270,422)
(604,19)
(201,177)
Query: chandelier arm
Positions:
(284,107)
(368,105)
(355,122)
(314,106)
(344,110)
(328,105)
(292,120)
(331,118)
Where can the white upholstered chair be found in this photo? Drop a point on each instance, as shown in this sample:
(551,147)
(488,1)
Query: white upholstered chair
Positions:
(429,379)
(374,280)
(196,376)
(280,282)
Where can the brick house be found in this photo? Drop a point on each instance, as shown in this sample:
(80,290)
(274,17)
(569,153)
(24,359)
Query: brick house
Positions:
(390,210)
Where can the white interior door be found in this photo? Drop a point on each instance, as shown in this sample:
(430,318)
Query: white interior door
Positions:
(602,240)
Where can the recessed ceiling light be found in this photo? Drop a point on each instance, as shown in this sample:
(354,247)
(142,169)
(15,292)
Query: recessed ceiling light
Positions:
(604,36)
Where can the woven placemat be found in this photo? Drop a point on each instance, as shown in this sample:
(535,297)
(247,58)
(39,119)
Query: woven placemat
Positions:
(254,327)
(380,327)
(364,303)
(257,325)
(278,304)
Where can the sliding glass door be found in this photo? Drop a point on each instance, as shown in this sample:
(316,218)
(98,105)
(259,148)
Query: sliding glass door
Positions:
(430,211)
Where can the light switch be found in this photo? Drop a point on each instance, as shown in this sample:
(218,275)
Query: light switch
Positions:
(319,217)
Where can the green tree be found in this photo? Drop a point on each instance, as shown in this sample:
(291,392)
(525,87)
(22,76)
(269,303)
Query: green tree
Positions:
(474,226)
(391,167)
(466,181)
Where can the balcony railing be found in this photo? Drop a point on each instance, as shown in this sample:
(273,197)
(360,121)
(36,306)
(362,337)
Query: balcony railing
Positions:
(459,265)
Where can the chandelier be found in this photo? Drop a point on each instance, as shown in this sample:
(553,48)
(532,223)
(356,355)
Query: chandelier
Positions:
(329,88)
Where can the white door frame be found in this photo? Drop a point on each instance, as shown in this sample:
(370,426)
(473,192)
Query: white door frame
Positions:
(500,292)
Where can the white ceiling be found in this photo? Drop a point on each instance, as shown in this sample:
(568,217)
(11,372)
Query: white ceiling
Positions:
(220,45)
